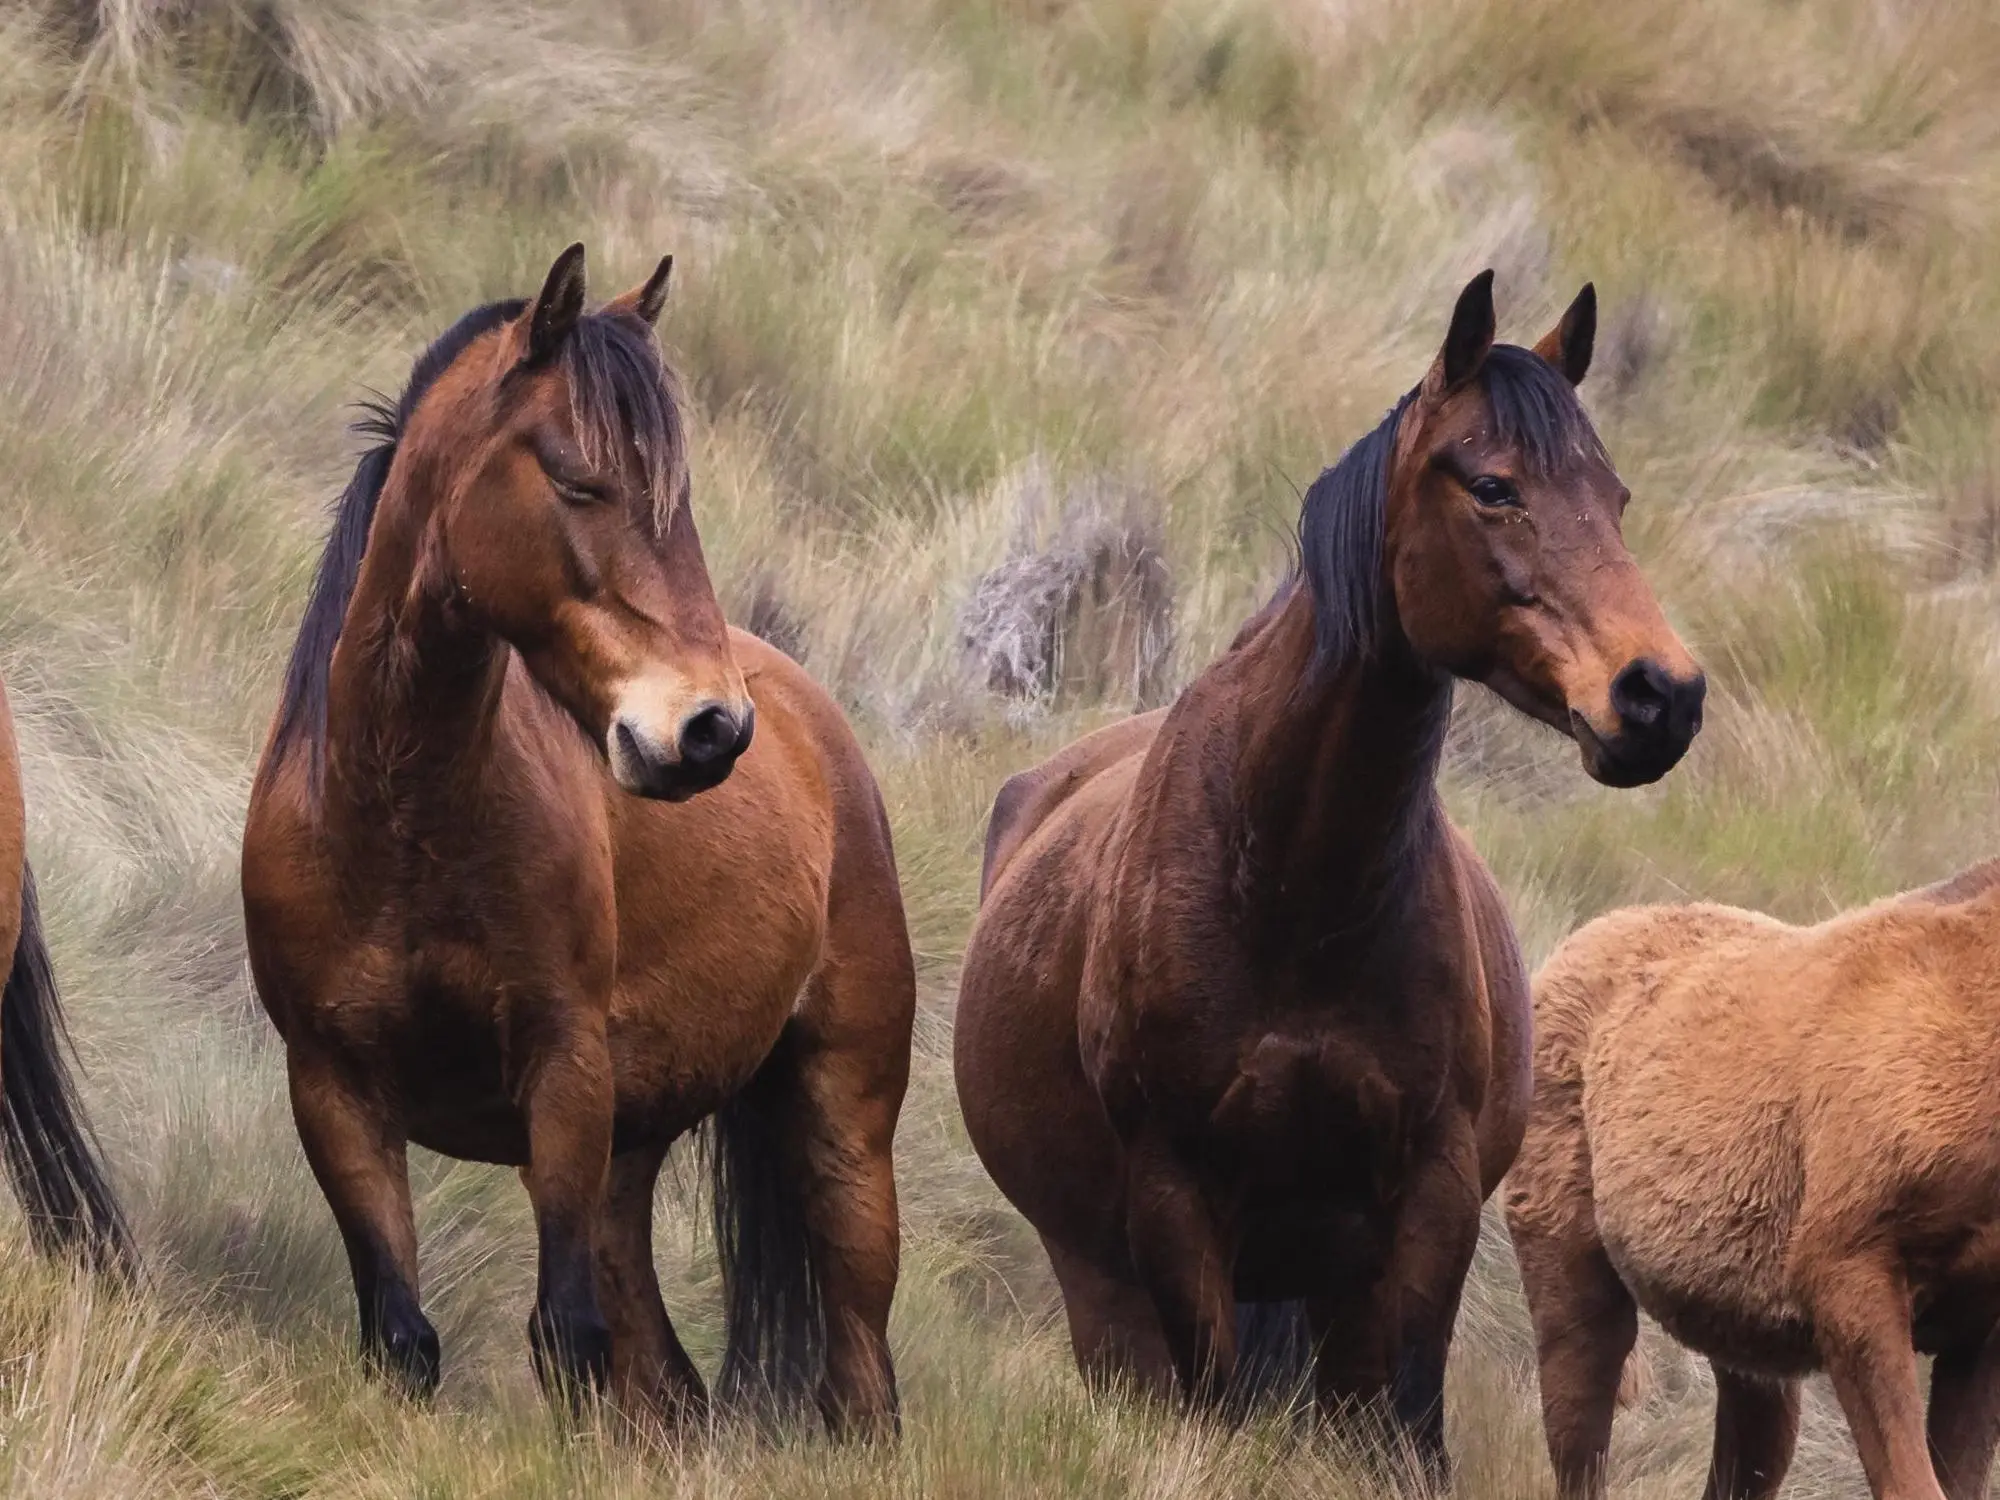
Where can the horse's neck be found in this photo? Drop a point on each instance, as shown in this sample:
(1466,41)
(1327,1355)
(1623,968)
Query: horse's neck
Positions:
(1334,782)
(414,691)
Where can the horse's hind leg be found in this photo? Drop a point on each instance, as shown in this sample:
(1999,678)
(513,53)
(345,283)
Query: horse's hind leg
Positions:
(851,1053)
(358,1153)
(1113,1327)
(1585,1326)
(650,1371)
(1756,1429)
(1964,1419)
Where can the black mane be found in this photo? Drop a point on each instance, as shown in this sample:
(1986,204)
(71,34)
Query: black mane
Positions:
(1341,521)
(620,391)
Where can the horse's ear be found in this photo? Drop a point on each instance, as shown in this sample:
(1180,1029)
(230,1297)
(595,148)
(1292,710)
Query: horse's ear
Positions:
(646,301)
(1567,346)
(1468,340)
(553,317)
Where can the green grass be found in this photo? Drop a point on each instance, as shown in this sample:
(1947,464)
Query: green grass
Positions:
(957,282)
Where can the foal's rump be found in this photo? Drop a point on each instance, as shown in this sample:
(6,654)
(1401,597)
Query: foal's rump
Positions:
(1600,970)
(1664,1126)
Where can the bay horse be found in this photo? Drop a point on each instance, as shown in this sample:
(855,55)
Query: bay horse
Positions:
(520,888)
(1242,1018)
(45,1138)
(1779,1142)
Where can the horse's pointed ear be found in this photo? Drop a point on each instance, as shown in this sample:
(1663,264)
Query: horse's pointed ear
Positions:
(1567,346)
(1469,338)
(646,301)
(560,303)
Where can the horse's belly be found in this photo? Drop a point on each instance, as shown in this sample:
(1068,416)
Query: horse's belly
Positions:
(490,1127)
(488,1130)
(679,1050)
(1708,1266)
(1696,1181)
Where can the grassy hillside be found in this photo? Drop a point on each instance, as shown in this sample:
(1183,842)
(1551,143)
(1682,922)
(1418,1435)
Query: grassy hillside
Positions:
(1015,328)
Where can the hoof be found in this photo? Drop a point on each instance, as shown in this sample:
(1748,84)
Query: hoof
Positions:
(406,1351)
(572,1355)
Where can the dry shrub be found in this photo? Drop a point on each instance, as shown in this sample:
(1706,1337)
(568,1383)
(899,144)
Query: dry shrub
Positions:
(1087,617)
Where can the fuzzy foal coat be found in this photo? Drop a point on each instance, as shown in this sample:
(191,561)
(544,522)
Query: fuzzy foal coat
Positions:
(1779,1142)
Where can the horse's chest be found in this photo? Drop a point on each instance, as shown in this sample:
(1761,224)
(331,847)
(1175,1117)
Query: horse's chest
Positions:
(1274,1054)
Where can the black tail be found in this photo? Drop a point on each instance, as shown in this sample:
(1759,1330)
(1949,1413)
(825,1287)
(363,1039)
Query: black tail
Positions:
(50,1152)
(775,1324)
(1273,1357)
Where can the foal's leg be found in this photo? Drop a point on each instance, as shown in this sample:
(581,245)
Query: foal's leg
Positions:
(569,1103)
(1585,1326)
(1585,1320)
(1861,1309)
(1756,1429)
(1113,1327)
(1178,1249)
(357,1150)
(650,1371)
(1965,1416)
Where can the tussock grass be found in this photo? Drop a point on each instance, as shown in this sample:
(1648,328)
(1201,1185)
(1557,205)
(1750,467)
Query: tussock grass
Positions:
(982,305)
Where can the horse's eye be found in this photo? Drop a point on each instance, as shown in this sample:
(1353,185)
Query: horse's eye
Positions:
(579,494)
(1494,492)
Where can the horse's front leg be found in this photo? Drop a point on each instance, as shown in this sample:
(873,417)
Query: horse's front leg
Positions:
(1178,1246)
(1392,1340)
(569,1099)
(356,1145)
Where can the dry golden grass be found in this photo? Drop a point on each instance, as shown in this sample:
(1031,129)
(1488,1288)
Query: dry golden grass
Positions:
(960,284)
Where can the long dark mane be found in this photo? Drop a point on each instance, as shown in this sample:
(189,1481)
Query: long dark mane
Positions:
(1341,521)
(621,392)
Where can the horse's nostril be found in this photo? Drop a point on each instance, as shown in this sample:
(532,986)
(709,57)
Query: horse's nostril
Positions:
(710,735)
(1641,694)
(628,742)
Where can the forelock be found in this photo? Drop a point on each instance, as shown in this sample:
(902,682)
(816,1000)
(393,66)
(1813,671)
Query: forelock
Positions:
(626,403)
(1535,409)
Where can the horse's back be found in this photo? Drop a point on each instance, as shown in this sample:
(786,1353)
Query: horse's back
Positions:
(1604,960)
(1028,798)
(1966,885)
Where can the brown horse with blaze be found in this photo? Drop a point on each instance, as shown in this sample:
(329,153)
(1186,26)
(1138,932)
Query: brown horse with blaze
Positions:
(1243,1020)
(473,935)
